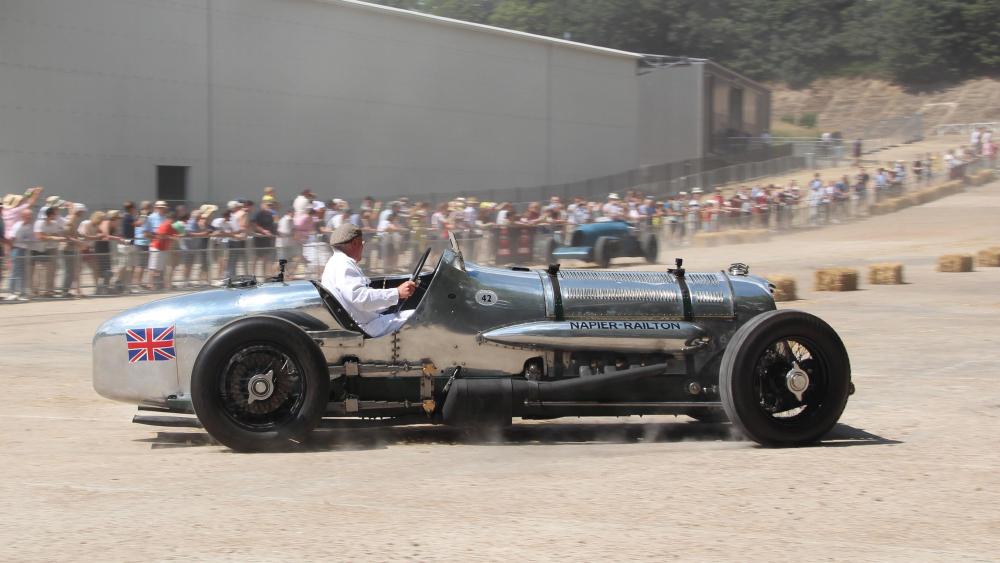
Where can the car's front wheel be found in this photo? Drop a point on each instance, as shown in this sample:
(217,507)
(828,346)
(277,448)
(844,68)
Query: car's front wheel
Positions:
(785,378)
(260,384)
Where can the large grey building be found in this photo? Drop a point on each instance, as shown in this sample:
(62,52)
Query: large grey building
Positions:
(207,100)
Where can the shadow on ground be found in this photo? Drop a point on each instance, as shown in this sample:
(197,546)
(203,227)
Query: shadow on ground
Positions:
(352,435)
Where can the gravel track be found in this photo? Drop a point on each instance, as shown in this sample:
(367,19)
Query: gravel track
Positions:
(909,474)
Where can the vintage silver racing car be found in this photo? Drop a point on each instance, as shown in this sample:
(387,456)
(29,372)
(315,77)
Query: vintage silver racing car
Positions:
(260,364)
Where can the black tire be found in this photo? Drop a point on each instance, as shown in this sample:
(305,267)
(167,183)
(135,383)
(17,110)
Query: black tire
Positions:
(602,251)
(238,354)
(550,247)
(709,415)
(650,248)
(752,378)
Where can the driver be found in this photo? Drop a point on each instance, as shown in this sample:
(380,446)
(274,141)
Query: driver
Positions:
(344,279)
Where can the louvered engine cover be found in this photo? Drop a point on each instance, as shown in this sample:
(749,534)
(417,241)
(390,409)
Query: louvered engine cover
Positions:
(589,294)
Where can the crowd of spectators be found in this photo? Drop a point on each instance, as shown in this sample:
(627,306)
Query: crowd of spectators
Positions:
(155,246)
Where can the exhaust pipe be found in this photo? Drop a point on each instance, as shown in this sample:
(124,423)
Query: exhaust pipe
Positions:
(495,401)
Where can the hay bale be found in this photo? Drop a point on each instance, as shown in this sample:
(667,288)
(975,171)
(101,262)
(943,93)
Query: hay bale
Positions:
(933,194)
(989,257)
(894,205)
(955,263)
(784,287)
(885,274)
(950,188)
(836,279)
(983,177)
(923,196)
(876,209)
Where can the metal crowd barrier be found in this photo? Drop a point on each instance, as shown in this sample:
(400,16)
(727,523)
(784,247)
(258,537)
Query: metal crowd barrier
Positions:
(70,270)
(965,128)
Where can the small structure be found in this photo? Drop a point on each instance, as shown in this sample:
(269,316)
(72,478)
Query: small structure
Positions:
(836,279)
(885,274)
(955,263)
(784,287)
(989,257)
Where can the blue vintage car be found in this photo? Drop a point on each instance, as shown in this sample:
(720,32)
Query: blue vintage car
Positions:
(600,242)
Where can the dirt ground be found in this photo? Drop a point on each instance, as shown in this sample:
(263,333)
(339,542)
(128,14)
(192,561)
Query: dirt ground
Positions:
(909,474)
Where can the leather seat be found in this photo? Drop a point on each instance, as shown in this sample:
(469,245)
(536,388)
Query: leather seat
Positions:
(338,311)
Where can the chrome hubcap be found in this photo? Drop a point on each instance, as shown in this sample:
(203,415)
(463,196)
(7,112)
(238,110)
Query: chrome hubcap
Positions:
(260,387)
(797,381)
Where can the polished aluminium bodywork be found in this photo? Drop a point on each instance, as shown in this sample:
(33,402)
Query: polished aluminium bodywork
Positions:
(488,322)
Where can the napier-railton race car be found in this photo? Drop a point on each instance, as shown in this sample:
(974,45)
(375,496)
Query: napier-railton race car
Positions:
(261,363)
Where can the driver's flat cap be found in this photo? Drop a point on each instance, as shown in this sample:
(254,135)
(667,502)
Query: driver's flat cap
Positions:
(346,232)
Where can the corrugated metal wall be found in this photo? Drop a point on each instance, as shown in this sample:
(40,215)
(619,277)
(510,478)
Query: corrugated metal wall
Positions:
(293,93)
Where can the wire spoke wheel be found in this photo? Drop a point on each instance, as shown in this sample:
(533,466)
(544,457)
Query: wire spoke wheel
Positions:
(254,400)
(772,379)
(785,378)
(260,384)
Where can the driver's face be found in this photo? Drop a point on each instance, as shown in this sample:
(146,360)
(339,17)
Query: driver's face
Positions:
(355,248)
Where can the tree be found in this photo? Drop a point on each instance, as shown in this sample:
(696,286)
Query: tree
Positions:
(795,41)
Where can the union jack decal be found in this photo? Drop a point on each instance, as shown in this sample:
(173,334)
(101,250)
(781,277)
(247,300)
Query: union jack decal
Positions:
(150,344)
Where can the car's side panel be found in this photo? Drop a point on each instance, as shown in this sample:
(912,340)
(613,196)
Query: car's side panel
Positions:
(194,318)
(459,305)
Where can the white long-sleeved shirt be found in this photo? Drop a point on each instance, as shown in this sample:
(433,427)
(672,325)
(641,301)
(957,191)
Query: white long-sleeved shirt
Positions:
(344,279)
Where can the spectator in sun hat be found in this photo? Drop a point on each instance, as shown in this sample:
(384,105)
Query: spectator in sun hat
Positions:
(578,212)
(612,210)
(68,253)
(239,229)
(51,201)
(152,223)
(159,248)
(303,201)
(13,204)
(49,233)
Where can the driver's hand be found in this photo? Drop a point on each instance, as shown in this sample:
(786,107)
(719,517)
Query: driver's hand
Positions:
(406,289)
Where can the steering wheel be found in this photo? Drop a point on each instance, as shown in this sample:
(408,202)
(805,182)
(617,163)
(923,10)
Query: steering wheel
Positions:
(420,265)
(415,275)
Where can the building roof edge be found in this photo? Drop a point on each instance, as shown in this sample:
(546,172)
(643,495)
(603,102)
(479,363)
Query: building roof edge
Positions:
(483,27)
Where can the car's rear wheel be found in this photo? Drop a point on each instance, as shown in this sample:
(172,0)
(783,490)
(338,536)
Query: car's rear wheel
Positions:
(603,248)
(260,384)
(785,378)
(650,248)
